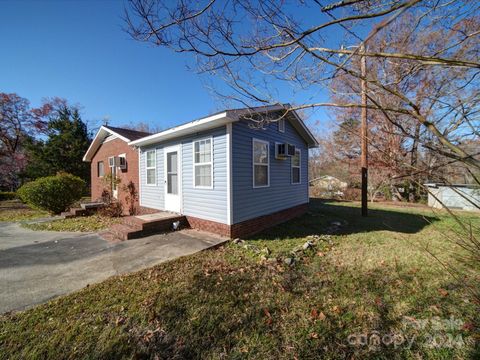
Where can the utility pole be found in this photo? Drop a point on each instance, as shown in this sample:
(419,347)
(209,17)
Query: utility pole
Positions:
(363,70)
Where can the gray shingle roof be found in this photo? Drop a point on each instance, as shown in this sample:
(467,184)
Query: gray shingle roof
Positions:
(128,133)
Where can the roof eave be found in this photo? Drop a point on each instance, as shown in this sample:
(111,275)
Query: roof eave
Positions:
(95,144)
(206,123)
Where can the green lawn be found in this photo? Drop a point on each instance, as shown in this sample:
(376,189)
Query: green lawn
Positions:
(14,210)
(82,223)
(244,301)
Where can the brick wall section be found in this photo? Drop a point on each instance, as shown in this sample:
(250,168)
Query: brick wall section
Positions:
(248,227)
(114,148)
(253,226)
(210,226)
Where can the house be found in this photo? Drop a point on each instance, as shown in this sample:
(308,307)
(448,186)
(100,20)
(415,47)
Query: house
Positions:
(454,196)
(226,175)
(329,185)
(112,158)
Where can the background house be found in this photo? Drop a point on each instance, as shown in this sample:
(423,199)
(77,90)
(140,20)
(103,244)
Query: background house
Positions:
(227,175)
(112,158)
(459,196)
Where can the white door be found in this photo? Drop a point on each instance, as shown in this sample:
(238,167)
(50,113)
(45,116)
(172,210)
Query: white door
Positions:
(172,178)
(113,174)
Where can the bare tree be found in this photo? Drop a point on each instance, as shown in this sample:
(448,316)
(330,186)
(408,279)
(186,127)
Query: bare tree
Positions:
(252,45)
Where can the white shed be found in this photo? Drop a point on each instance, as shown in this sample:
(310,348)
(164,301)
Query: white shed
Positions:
(455,196)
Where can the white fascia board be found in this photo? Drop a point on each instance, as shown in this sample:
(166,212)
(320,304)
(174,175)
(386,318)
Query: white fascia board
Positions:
(98,139)
(207,123)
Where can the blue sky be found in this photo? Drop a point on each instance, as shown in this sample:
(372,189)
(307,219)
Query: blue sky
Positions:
(77,50)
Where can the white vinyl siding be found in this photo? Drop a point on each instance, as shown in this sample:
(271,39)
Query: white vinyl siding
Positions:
(261,163)
(296,169)
(203,164)
(151,167)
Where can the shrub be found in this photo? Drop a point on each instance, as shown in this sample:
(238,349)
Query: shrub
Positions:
(112,207)
(131,197)
(53,193)
(7,195)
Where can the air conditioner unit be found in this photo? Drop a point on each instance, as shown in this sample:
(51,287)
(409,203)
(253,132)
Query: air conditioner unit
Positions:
(285,150)
(121,162)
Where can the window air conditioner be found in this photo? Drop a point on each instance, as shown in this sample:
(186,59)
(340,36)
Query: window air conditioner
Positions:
(285,150)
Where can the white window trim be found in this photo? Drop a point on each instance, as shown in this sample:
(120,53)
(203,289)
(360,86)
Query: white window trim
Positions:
(204,163)
(267,164)
(151,167)
(281,128)
(299,168)
(98,172)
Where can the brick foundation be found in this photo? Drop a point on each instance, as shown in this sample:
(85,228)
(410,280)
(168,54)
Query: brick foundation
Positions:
(210,226)
(248,227)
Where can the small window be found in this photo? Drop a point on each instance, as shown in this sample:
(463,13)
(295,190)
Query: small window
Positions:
(281,125)
(100,169)
(202,163)
(296,161)
(261,163)
(151,167)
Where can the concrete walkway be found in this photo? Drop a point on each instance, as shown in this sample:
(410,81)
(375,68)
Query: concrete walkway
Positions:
(36,266)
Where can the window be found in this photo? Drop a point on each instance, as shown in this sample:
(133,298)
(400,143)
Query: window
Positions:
(151,167)
(296,167)
(202,163)
(100,169)
(261,163)
(281,125)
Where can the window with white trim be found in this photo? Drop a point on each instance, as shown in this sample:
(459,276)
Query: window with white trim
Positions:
(296,161)
(202,163)
(261,163)
(281,125)
(100,169)
(151,167)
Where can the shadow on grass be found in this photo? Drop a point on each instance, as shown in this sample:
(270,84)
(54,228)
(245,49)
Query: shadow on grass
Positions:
(323,214)
(234,314)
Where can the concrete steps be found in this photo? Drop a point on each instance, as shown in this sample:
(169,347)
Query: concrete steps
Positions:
(134,227)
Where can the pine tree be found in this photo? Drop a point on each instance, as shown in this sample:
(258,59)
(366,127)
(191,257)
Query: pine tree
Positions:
(66,143)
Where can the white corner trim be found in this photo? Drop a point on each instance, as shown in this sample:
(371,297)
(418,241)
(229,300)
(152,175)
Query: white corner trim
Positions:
(140,179)
(229,175)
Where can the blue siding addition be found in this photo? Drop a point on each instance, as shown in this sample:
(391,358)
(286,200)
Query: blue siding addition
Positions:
(249,202)
(209,204)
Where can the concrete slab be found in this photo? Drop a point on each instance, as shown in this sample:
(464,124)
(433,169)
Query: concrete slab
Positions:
(37,266)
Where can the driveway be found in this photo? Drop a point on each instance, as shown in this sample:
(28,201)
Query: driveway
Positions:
(36,266)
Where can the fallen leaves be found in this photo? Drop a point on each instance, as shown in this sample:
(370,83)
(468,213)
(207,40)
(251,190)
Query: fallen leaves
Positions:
(269,320)
(443,292)
(316,315)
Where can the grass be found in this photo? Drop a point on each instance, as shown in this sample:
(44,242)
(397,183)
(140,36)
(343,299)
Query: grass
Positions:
(83,223)
(372,276)
(14,210)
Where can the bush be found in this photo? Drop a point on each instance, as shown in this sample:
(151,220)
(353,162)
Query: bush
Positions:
(53,193)
(7,195)
(113,209)
(352,194)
